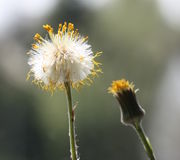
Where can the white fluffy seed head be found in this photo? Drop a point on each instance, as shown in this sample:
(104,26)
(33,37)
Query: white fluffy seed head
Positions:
(65,57)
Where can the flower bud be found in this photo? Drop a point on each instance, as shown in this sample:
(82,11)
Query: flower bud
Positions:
(131,111)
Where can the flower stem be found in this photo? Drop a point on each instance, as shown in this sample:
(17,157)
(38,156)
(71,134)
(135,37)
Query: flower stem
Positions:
(144,139)
(71,119)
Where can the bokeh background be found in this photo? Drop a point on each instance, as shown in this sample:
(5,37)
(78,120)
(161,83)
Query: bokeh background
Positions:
(140,40)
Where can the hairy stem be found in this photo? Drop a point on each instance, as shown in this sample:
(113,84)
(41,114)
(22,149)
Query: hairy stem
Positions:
(71,119)
(145,141)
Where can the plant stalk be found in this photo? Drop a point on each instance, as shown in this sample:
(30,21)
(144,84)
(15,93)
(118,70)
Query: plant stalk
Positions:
(71,119)
(144,139)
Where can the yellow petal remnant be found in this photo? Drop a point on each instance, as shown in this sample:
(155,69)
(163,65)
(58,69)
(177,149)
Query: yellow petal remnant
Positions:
(65,56)
(119,86)
(38,38)
(48,28)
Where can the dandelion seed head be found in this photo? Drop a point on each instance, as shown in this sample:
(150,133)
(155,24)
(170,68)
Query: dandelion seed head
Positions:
(64,57)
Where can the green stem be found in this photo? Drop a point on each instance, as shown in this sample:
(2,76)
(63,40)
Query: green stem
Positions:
(71,122)
(144,139)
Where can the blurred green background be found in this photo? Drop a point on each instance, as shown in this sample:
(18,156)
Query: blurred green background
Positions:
(140,40)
